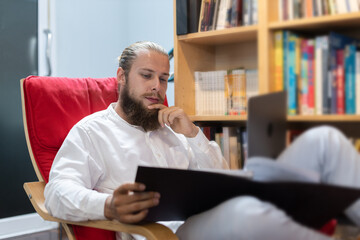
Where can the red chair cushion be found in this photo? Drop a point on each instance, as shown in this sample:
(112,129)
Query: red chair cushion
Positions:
(53,105)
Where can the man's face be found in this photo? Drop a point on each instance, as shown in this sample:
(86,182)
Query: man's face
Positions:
(145,85)
(147,80)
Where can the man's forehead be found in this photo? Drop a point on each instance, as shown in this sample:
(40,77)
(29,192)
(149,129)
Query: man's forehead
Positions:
(151,60)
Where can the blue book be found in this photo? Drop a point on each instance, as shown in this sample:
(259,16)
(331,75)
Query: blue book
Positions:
(291,75)
(303,105)
(350,52)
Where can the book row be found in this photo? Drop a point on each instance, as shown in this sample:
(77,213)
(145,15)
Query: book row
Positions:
(294,9)
(220,14)
(321,74)
(224,92)
(205,15)
(233,142)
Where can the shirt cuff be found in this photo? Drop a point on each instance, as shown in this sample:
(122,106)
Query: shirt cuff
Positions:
(96,206)
(200,141)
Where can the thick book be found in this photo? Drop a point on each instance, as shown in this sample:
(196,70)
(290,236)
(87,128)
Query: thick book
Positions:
(181,17)
(194,7)
(188,192)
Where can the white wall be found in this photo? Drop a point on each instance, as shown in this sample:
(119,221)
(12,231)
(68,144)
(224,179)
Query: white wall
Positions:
(89,35)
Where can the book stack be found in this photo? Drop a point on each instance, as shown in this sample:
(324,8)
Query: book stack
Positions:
(321,74)
(224,92)
(294,9)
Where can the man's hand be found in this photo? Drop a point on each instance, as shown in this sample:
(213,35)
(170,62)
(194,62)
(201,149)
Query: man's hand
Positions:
(177,119)
(129,203)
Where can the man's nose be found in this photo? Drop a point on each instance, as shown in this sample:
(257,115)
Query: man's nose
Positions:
(156,84)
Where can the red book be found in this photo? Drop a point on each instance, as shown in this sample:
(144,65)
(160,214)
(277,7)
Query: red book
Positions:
(207,132)
(340,82)
(311,76)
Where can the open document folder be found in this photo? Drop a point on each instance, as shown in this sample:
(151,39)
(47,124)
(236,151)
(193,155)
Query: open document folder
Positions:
(188,192)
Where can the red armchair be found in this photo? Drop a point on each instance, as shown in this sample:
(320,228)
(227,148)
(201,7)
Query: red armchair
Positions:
(51,106)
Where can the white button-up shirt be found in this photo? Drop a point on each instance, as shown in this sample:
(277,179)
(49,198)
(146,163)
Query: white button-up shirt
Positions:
(102,151)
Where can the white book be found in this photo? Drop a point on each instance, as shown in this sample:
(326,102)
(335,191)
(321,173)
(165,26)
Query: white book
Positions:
(290,9)
(318,76)
(197,93)
(226,144)
(211,104)
(357,82)
(246,12)
(354,5)
(255,11)
(252,88)
(319,7)
(222,14)
(221,92)
(280,10)
(208,93)
(341,6)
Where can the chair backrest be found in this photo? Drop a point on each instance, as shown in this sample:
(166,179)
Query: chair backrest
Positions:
(51,107)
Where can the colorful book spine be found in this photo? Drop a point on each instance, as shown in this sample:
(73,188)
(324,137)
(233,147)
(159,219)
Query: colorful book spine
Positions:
(291,59)
(336,42)
(311,77)
(285,46)
(318,76)
(357,82)
(340,81)
(333,79)
(304,78)
(350,52)
(298,72)
(325,81)
(279,72)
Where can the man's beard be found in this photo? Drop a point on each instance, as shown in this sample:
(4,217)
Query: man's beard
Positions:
(136,112)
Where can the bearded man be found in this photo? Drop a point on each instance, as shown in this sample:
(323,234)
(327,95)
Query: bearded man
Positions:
(95,168)
(92,176)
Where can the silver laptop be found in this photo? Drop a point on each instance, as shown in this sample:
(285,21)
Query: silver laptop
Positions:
(266,124)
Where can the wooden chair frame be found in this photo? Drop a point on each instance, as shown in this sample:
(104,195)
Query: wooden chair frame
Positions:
(35,192)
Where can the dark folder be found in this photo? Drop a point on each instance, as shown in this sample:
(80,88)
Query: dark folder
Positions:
(188,192)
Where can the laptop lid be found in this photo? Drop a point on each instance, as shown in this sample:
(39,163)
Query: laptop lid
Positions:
(266,124)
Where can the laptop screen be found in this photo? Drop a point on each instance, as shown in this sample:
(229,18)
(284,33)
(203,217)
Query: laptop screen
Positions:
(266,124)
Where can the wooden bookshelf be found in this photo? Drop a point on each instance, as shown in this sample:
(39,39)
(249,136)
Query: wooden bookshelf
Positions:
(250,47)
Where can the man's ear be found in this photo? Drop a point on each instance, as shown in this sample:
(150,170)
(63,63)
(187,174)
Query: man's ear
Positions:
(120,76)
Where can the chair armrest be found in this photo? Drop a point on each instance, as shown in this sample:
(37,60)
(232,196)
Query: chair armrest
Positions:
(152,231)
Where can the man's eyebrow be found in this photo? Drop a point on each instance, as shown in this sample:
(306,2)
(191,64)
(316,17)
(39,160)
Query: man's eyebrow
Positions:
(152,71)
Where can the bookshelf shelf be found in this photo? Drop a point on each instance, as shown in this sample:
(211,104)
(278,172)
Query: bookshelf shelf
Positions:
(316,118)
(325,118)
(217,118)
(346,20)
(224,36)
